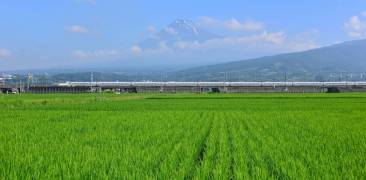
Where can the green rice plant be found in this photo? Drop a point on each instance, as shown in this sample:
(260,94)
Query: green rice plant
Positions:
(183,136)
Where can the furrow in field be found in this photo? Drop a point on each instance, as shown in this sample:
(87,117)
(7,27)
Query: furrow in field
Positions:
(218,162)
(177,162)
(229,129)
(264,152)
(207,162)
(257,167)
(223,160)
(283,147)
(147,142)
(174,142)
(200,148)
(239,164)
(249,150)
(207,150)
(175,137)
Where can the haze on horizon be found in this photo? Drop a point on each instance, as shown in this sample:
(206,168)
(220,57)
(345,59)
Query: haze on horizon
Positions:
(141,33)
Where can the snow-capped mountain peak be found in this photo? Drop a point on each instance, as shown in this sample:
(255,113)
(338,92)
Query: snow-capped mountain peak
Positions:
(178,31)
(185,25)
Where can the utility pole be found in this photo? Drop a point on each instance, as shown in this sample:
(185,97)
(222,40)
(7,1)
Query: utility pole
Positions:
(286,88)
(340,76)
(286,77)
(351,77)
(29,80)
(20,86)
(255,76)
(91,81)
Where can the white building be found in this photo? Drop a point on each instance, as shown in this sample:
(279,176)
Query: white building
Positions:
(2,81)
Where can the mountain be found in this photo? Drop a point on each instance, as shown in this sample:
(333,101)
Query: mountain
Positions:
(345,61)
(178,31)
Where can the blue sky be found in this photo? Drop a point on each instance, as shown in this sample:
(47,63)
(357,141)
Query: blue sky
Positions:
(51,34)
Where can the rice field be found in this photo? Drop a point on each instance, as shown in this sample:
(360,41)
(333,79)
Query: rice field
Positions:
(183,136)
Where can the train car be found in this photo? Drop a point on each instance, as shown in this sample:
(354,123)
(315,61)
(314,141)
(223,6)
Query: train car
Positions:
(210,84)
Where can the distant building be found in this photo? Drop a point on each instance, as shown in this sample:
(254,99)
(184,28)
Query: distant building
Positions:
(2,82)
(6,76)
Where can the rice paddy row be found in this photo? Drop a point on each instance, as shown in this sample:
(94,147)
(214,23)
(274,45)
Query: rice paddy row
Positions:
(258,136)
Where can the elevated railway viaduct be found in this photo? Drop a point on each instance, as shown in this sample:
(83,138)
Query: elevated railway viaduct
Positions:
(198,87)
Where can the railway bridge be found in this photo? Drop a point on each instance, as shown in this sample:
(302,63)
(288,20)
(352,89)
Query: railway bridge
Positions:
(198,87)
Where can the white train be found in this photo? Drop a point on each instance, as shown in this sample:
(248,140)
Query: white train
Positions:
(210,84)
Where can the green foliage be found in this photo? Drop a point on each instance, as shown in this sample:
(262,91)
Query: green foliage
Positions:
(183,136)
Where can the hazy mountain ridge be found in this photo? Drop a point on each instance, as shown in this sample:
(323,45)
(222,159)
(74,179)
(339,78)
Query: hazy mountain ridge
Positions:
(345,61)
(311,64)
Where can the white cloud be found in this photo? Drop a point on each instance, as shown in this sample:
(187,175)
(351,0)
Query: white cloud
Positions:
(183,45)
(79,54)
(364,14)
(113,54)
(208,21)
(170,30)
(231,24)
(136,50)
(230,42)
(274,37)
(275,42)
(161,49)
(254,41)
(236,25)
(219,49)
(98,54)
(4,53)
(356,26)
(151,29)
(78,29)
(260,43)
(313,32)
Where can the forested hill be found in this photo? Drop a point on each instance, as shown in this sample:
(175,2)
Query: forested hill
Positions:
(336,62)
